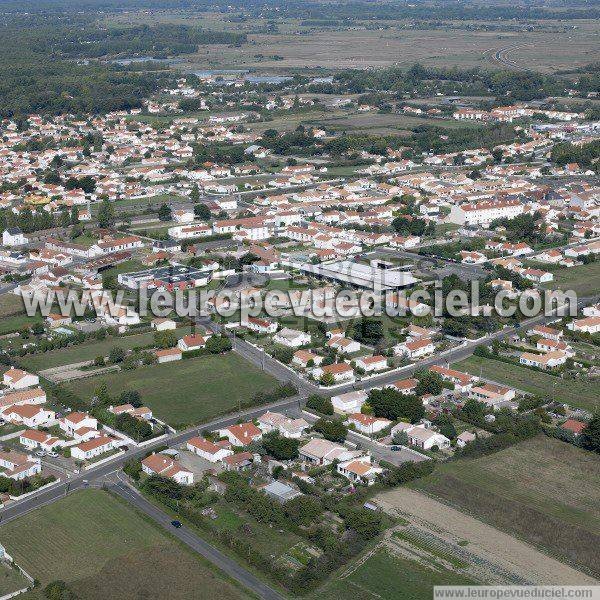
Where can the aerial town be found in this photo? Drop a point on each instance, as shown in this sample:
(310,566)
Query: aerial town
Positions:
(274,333)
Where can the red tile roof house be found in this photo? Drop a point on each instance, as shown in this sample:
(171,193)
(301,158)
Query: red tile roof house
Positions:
(587,325)
(77,422)
(212,452)
(191,342)
(415,349)
(575,427)
(17,379)
(405,386)
(30,415)
(159,464)
(19,466)
(462,381)
(301,358)
(491,394)
(359,470)
(141,412)
(32,439)
(324,452)
(260,325)
(29,396)
(548,345)
(340,371)
(368,424)
(343,344)
(372,363)
(547,332)
(168,355)
(242,434)
(238,461)
(94,447)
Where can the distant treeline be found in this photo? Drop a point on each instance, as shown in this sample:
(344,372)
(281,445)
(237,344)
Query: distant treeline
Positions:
(43,70)
(315,10)
(156,40)
(474,82)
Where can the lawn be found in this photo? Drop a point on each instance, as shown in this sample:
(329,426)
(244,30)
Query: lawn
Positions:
(104,549)
(265,540)
(10,304)
(578,393)
(86,239)
(17,322)
(583,280)
(11,580)
(127,266)
(89,350)
(389,577)
(522,490)
(187,391)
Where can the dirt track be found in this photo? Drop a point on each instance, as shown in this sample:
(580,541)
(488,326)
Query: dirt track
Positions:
(489,543)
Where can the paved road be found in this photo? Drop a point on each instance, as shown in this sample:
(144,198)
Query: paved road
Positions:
(196,543)
(48,495)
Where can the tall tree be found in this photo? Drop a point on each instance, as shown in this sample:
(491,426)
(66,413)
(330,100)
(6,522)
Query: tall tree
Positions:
(106,214)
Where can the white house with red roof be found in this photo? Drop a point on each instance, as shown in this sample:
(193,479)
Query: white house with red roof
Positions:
(28,396)
(16,465)
(17,379)
(75,421)
(462,381)
(242,434)
(546,332)
(191,342)
(368,424)
(343,344)
(108,246)
(405,386)
(33,439)
(302,358)
(164,355)
(340,371)
(548,345)
(585,325)
(359,470)
(372,364)
(94,447)
(159,464)
(30,415)
(213,452)
(260,326)
(415,348)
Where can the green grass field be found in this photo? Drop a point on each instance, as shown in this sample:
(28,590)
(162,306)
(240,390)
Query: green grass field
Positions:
(89,350)
(389,577)
(579,393)
(10,304)
(17,322)
(542,490)
(583,280)
(104,549)
(11,580)
(187,391)
(265,540)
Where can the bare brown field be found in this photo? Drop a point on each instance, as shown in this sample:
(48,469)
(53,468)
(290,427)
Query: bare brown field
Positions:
(553,45)
(543,491)
(483,540)
(539,50)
